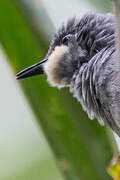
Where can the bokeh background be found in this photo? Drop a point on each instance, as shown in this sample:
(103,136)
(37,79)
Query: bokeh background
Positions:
(24,150)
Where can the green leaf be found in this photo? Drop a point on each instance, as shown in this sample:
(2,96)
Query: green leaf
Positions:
(81,147)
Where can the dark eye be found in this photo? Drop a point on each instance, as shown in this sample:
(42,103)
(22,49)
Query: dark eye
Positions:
(66,38)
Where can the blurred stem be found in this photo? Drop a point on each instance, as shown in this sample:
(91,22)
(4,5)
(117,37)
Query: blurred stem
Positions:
(102,6)
(116,4)
(81,147)
(116,8)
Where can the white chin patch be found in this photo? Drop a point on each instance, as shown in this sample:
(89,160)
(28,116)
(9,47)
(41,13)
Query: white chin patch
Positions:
(52,63)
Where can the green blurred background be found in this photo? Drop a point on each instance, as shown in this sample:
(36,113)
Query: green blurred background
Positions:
(24,151)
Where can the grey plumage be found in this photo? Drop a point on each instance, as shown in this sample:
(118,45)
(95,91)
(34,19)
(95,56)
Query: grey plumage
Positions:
(89,66)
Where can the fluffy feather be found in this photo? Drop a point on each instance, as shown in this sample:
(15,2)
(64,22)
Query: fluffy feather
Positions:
(90,68)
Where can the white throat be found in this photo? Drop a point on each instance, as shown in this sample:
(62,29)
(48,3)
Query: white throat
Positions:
(52,63)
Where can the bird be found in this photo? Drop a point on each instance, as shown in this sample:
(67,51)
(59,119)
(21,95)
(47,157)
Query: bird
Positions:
(83,57)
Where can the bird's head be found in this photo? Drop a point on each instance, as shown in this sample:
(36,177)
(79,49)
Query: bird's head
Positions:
(64,57)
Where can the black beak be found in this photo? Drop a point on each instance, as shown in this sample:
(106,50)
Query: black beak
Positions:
(33,70)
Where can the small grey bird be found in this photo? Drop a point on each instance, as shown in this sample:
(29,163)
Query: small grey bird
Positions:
(82,56)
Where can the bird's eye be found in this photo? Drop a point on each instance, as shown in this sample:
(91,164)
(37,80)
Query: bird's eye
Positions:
(66,38)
